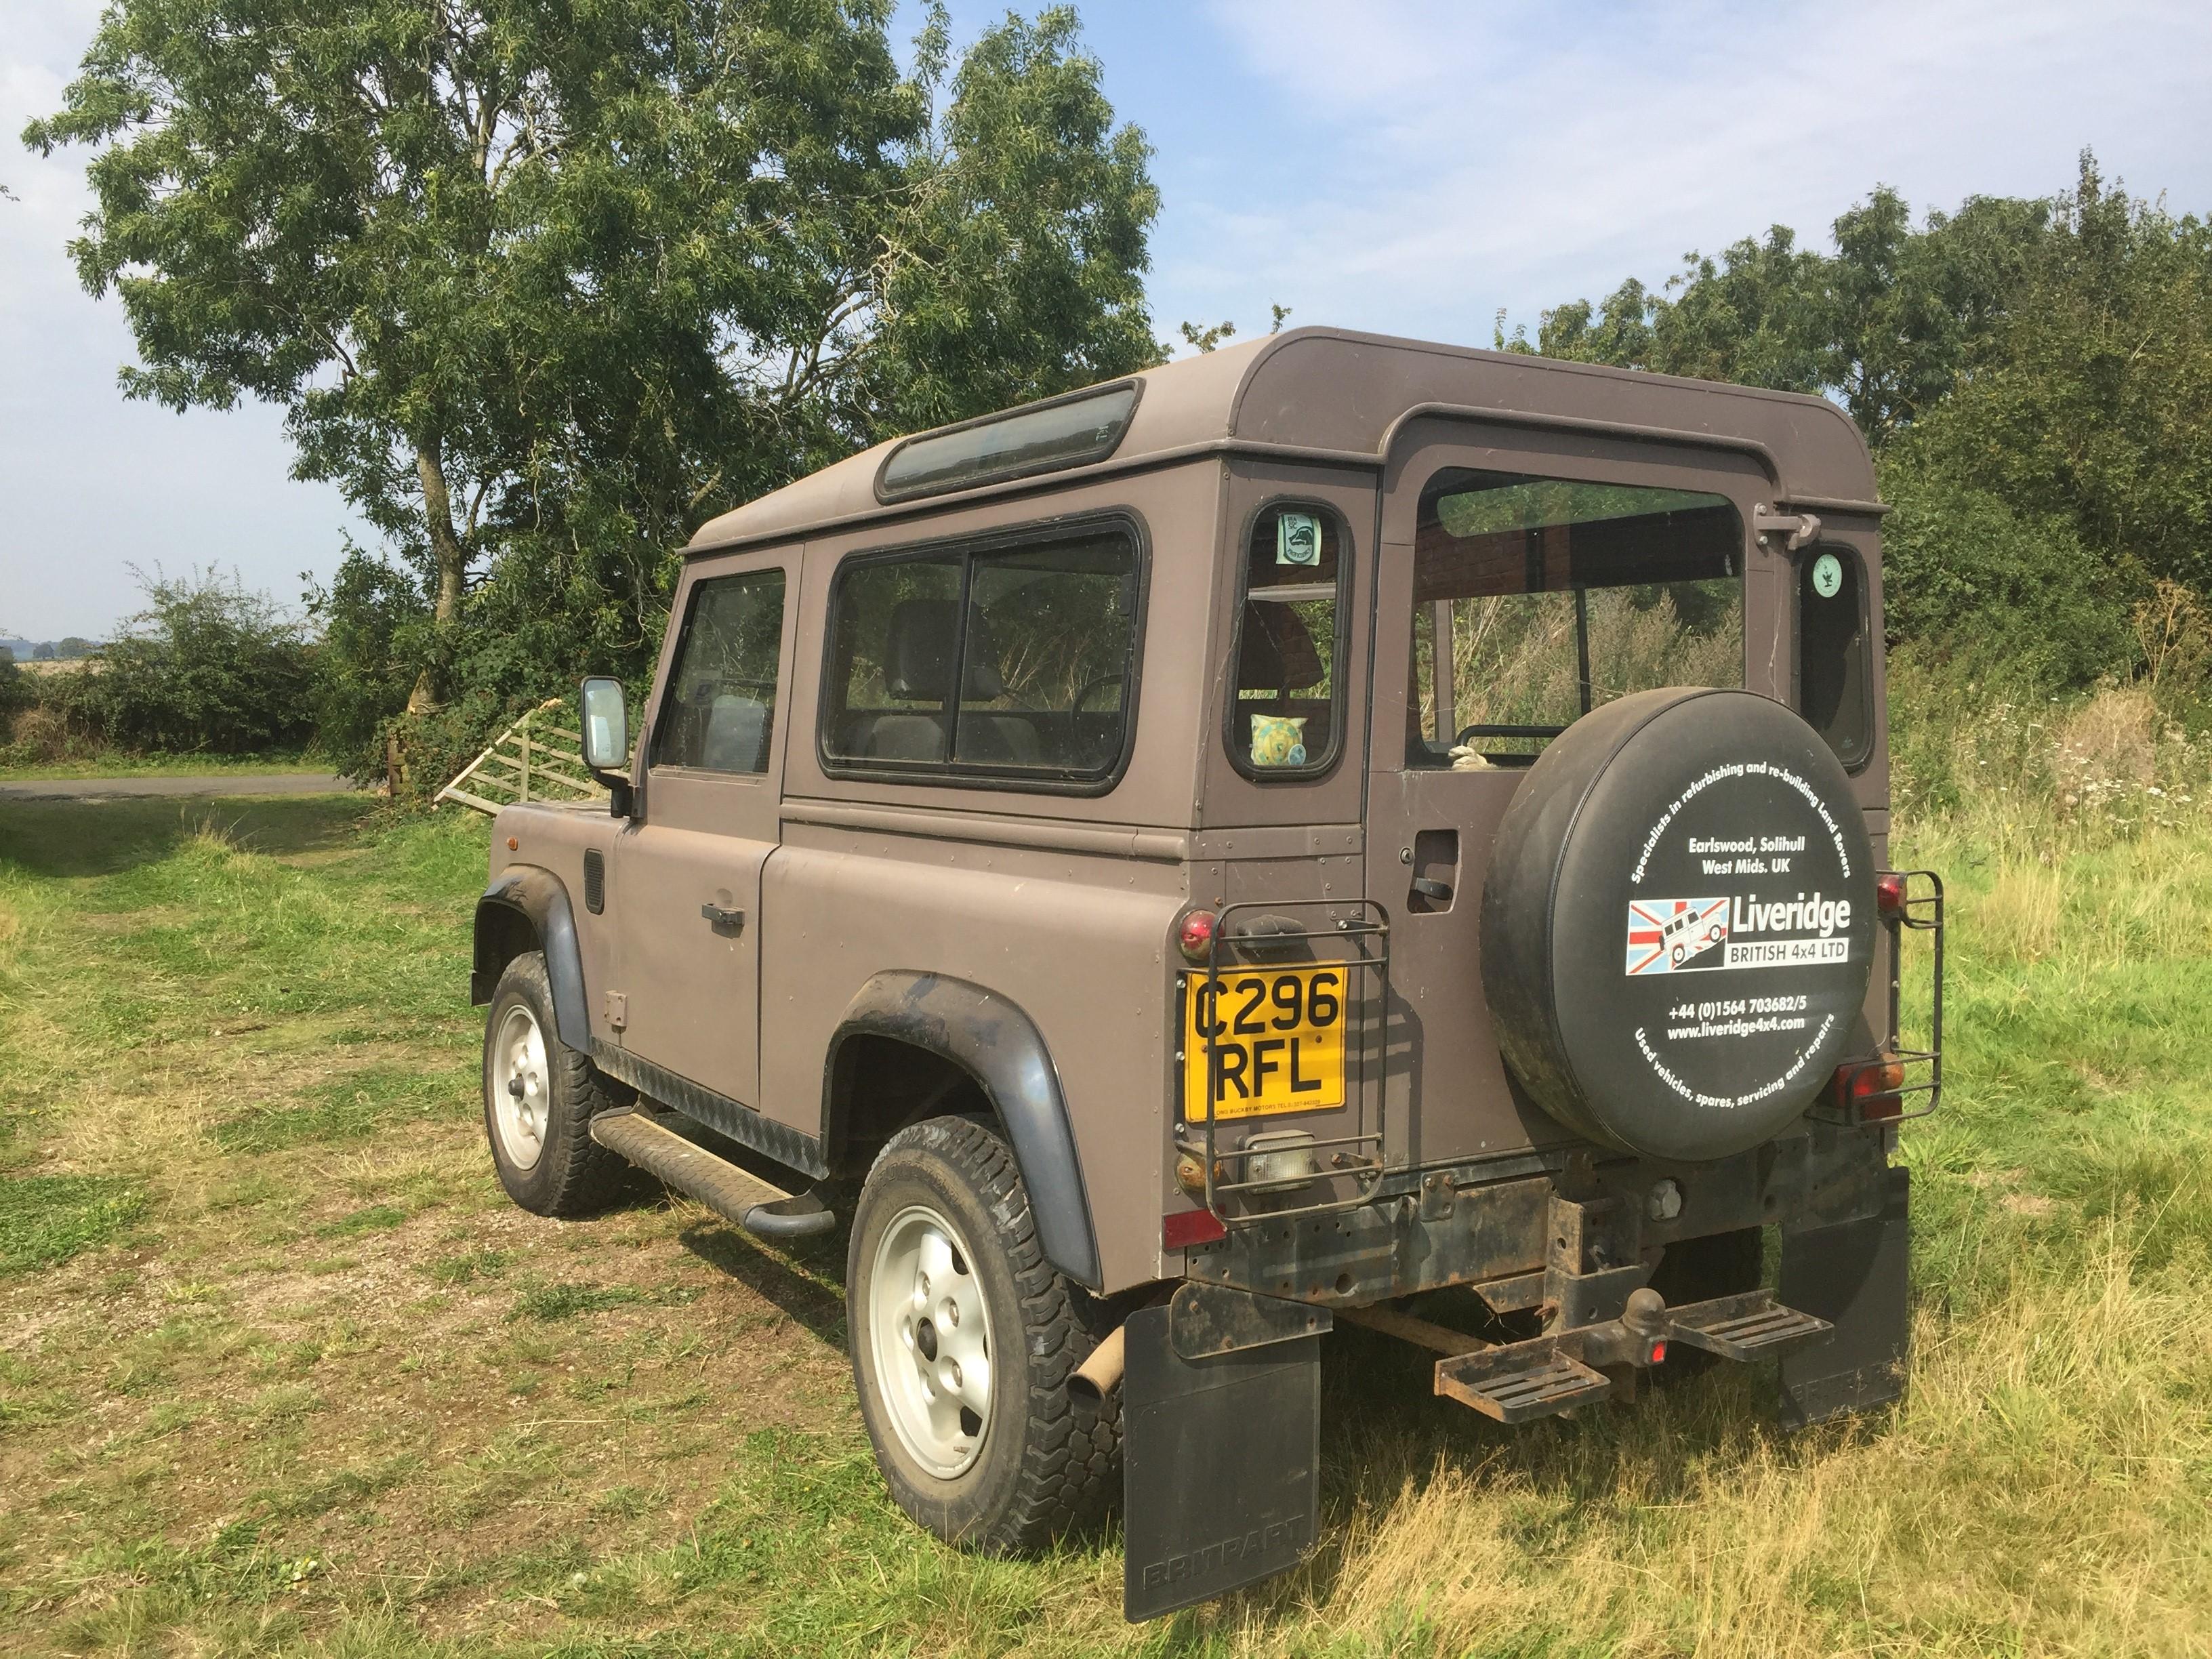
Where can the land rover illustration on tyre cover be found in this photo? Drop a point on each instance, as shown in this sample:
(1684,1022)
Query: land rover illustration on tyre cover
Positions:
(1334,830)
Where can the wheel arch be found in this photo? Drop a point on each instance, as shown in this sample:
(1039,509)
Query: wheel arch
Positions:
(526,908)
(987,1039)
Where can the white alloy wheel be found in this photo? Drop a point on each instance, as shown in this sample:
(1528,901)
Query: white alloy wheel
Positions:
(520,1084)
(931,1337)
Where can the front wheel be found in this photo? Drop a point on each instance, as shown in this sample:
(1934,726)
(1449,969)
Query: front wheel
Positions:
(540,1095)
(963,1338)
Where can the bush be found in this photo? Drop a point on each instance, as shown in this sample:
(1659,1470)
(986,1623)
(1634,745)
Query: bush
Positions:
(207,668)
(2004,593)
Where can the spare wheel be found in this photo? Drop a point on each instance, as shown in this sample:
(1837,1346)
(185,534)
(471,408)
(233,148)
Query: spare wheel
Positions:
(1678,923)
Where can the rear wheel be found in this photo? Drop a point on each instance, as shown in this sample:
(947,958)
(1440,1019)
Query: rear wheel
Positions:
(540,1095)
(962,1339)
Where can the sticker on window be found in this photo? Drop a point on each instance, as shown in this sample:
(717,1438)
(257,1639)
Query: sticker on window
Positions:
(1298,539)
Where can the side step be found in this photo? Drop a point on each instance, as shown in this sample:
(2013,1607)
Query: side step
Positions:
(1521,1381)
(1752,1326)
(741,1196)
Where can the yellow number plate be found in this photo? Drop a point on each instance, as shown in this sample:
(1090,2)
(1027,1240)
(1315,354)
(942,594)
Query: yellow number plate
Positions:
(1277,1041)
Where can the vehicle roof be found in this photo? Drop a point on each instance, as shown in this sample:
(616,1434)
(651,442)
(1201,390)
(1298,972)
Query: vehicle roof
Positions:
(1331,394)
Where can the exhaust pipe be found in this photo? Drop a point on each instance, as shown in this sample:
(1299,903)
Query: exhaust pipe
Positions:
(1100,1375)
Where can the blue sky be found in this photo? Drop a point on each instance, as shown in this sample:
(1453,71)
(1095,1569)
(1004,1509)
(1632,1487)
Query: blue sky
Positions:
(1403,166)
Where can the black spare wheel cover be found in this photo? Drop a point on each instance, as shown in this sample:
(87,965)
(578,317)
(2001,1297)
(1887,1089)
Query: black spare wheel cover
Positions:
(1678,923)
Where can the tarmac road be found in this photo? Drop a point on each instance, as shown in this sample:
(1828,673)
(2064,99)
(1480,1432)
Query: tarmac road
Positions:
(235,783)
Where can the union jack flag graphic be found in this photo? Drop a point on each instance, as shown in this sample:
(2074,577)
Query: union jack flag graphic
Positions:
(1664,934)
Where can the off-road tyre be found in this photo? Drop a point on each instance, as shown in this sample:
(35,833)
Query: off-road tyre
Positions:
(572,1174)
(1049,1458)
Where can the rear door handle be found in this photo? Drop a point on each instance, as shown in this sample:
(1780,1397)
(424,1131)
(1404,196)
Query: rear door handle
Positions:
(723,916)
(1437,892)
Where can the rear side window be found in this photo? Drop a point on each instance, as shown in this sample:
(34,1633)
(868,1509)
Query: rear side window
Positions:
(1014,660)
(719,712)
(1835,676)
(1537,599)
(1288,707)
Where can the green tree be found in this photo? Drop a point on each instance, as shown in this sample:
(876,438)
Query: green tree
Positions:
(540,289)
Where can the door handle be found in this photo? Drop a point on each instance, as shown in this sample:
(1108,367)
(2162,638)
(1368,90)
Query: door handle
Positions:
(1437,892)
(719,916)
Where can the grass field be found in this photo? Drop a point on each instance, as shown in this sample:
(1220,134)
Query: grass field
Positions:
(280,1369)
(113,764)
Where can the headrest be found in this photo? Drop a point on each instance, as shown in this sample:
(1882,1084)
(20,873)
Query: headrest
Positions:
(918,653)
(1276,651)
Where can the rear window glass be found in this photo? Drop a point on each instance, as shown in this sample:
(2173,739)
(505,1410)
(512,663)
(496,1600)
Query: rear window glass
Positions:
(1835,671)
(1012,661)
(1288,701)
(1071,432)
(1537,599)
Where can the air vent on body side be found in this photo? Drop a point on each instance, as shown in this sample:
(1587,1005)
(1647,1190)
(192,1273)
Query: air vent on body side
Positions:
(595,880)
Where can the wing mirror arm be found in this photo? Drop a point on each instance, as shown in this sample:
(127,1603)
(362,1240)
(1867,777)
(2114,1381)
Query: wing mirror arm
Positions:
(605,728)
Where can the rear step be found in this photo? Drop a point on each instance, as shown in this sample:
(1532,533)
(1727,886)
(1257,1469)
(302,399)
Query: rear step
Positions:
(1548,1374)
(755,1205)
(1522,1380)
(1753,1326)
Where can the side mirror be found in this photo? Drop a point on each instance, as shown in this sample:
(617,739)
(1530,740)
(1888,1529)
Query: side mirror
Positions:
(606,724)
(606,739)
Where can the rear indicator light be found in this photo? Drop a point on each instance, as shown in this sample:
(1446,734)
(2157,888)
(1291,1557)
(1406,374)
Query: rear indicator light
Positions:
(1889,894)
(1182,1229)
(1870,1088)
(1194,936)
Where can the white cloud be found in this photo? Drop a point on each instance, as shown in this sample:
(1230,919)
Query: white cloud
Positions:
(1515,155)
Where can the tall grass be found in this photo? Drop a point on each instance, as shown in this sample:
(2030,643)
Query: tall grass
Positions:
(308,1385)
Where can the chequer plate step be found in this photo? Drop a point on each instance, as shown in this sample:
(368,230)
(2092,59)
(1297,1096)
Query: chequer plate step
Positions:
(1752,1326)
(1523,1380)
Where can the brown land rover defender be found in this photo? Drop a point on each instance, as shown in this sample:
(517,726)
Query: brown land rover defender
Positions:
(1334,821)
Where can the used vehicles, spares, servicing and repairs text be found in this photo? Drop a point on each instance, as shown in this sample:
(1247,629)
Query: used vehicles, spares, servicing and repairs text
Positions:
(1331,830)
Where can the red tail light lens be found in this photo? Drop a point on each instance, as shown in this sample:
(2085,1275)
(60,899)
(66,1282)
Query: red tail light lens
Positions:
(1182,1229)
(1194,936)
(1658,1353)
(1889,894)
(1870,1086)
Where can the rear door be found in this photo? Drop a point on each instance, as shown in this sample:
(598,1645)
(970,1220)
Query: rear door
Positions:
(1524,578)
(687,876)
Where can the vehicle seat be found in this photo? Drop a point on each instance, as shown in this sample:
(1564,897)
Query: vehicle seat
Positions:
(918,652)
(736,738)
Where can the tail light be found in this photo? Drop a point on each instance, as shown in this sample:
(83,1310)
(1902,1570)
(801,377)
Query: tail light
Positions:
(1869,1088)
(1889,894)
(1194,936)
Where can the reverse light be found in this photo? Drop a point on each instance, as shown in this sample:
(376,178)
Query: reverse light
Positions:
(1194,936)
(1889,894)
(1869,1088)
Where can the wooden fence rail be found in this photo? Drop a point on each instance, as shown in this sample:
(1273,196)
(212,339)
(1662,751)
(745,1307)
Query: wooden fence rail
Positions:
(534,759)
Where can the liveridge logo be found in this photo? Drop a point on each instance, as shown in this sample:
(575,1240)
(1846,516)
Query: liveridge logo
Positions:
(1664,934)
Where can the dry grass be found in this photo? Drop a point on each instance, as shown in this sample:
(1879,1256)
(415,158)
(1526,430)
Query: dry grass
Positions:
(316,1389)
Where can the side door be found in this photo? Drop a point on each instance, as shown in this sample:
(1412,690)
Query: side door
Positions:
(687,874)
(1525,577)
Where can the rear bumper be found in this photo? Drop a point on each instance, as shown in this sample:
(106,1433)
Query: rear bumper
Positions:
(1572,1231)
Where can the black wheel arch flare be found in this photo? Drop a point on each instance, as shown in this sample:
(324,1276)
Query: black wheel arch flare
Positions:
(991,1038)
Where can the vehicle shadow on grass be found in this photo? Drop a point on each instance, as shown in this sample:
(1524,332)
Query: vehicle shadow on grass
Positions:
(61,839)
(808,1288)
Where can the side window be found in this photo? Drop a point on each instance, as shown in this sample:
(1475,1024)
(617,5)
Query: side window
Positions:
(1288,704)
(720,711)
(1014,660)
(1537,599)
(1835,679)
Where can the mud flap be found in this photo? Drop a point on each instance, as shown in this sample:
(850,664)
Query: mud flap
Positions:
(1854,1275)
(1220,1465)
